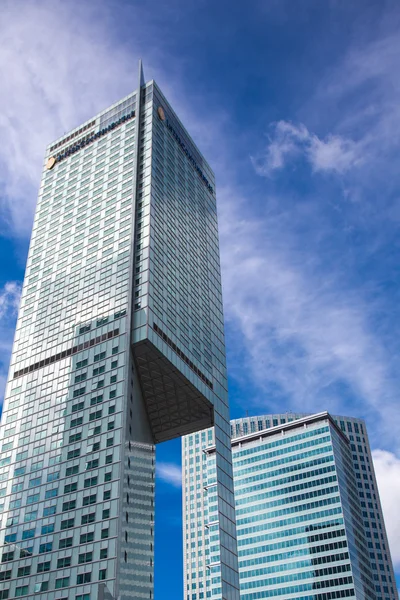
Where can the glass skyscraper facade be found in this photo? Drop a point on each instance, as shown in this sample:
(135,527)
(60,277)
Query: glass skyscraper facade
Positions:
(119,345)
(309,519)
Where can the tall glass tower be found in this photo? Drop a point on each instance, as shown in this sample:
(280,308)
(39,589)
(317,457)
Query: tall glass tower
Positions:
(309,519)
(119,345)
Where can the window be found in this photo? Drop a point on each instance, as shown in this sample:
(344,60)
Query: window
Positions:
(47,547)
(99,356)
(35,482)
(79,392)
(111,410)
(109,459)
(69,505)
(99,370)
(24,571)
(37,466)
(85,557)
(51,493)
(81,363)
(92,464)
(84,578)
(73,453)
(42,586)
(4,593)
(9,539)
(83,597)
(50,510)
(28,533)
(70,487)
(76,422)
(5,575)
(72,471)
(19,471)
(107,495)
(33,499)
(43,567)
(53,476)
(47,529)
(67,524)
(89,500)
(110,425)
(104,533)
(94,431)
(90,518)
(65,543)
(86,537)
(21,590)
(90,482)
(102,574)
(96,400)
(64,562)
(95,415)
(110,442)
(76,407)
(61,583)
(75,437)
(30,516)
(104,553)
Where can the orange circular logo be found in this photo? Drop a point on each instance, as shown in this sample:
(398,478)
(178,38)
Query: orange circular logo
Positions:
(50,163)
(161,113)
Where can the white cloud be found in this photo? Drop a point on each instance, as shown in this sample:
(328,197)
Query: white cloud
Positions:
(10,297)
(387,469)
(170,473)
(59,66)
(333,153)
(303,330)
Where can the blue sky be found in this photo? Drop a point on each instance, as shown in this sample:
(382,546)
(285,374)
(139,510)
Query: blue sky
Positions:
(296,106)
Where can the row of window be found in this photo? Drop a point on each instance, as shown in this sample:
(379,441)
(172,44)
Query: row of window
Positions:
(60,583)
(84,538)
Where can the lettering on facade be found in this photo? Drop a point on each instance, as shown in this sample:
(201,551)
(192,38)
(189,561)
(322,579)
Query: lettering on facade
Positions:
(75,147)
(188,154)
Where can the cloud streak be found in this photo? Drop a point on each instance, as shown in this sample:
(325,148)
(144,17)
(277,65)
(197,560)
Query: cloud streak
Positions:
(304,331)
(170,473)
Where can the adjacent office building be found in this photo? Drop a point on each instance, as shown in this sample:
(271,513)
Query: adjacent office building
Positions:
(119,345)
(309,519)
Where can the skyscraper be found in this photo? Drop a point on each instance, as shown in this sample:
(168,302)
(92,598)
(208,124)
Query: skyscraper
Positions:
(307,505)
(119,345)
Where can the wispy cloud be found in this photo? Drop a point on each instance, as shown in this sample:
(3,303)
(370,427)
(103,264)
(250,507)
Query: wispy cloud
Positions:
(170,473)
(286,141)
(59,65)
(10,297)
(307,335)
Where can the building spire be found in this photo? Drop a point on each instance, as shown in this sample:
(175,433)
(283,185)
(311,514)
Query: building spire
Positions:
(141,74)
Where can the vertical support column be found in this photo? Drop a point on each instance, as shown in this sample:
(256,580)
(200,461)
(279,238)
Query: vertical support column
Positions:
(226,507)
